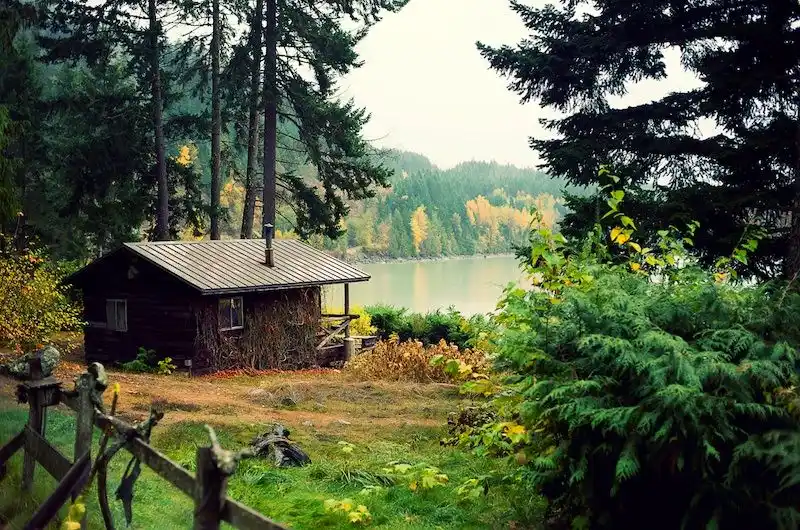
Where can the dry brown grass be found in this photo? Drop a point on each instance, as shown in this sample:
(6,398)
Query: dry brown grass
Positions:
(328,402)
(411,361)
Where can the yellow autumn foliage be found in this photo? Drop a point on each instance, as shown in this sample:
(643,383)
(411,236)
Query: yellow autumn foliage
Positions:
(419,227)
(480,212)
(186,155)
(392,360)
(33,303)
(360,326)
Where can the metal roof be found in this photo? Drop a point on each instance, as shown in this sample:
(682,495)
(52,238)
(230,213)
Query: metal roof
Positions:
(237,265)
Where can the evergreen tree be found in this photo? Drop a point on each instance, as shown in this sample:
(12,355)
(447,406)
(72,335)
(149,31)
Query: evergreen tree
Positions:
(746,53)
(84,146)
(254,57)
(400,237)
(216,117)
(305,36)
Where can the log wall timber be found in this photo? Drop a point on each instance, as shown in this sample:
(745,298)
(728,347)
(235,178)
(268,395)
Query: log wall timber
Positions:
(159,312)
(168,316)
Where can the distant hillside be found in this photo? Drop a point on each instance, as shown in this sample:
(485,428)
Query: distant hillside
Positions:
(427,212)
(473,208)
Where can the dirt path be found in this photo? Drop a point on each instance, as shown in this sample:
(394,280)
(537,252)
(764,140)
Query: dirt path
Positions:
(324,399)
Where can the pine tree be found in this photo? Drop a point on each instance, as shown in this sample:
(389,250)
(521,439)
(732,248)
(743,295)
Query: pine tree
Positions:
(747,54)
(305,36)
(155,34)
(216,117)
(255,35)
(89,96)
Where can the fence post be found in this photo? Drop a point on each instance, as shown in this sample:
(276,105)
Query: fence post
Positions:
(35,422)
(210,496)
(84,422)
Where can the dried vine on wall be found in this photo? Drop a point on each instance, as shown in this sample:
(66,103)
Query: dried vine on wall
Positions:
(279,333)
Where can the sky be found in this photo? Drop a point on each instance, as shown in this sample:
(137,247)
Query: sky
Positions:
(429,90)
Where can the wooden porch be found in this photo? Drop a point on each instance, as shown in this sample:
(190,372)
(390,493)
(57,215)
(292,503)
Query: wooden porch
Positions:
(335,340)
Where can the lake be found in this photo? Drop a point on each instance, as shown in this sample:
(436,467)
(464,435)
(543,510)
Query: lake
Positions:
(472,285)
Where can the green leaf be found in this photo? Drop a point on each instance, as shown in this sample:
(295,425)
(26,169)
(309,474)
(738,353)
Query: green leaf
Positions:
(618,195)
(750,245)
(627,221)
(627,465)
(580,523)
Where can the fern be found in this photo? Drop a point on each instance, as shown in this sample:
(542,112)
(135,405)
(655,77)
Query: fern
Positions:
(661,402)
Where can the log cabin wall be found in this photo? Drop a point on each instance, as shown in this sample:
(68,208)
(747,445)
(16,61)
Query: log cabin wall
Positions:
(279,332)
(159,312)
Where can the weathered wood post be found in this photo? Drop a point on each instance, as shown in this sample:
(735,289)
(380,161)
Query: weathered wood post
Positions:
(211,487)
(35,419)
(349,342)
(347,309)
(84,422)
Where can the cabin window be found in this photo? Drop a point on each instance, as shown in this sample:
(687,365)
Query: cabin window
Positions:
(117,315)
(231,313)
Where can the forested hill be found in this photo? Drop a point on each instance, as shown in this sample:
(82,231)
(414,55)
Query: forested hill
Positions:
(472,208)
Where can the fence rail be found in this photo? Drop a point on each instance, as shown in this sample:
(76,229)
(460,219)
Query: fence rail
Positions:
(207,487)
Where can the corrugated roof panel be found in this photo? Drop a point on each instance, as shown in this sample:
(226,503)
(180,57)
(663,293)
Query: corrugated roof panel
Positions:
(237,265)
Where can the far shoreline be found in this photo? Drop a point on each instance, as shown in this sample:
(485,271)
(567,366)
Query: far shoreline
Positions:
(376,260)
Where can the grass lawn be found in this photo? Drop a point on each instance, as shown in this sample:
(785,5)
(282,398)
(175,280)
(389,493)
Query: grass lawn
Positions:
(384,421)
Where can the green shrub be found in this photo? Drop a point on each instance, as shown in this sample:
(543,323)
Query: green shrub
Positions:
(33,302)
(389,320)
(654,419)
(147,362)
(429,328)
(647,392)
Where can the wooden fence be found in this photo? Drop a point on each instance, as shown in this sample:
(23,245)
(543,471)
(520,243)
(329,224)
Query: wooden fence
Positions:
(207,487)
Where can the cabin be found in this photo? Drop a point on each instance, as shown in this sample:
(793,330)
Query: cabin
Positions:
(216,305)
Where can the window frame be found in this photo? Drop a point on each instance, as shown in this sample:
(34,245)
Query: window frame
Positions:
(231,306)
(113,325)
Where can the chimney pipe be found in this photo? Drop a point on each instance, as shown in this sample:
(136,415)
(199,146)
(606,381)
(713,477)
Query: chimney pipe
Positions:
(268,257)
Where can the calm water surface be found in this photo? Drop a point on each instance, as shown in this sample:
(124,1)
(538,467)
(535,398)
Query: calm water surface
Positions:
(471,285)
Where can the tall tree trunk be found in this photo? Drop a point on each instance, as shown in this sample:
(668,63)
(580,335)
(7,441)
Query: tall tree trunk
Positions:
(162,212)
(252,126)
(216,119)
(270,114)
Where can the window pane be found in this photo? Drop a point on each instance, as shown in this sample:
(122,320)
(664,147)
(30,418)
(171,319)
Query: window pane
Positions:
(122,315)
(111,312)
(237,314)
(224,313)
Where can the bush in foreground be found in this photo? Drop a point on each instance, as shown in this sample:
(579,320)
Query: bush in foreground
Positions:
(650,419)
(650,393)
(33,302)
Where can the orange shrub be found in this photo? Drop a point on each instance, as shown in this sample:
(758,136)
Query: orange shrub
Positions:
(392,360)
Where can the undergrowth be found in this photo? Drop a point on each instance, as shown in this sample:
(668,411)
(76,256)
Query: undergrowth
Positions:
(295,497)
(647,392)
(393,360)
(431,328)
